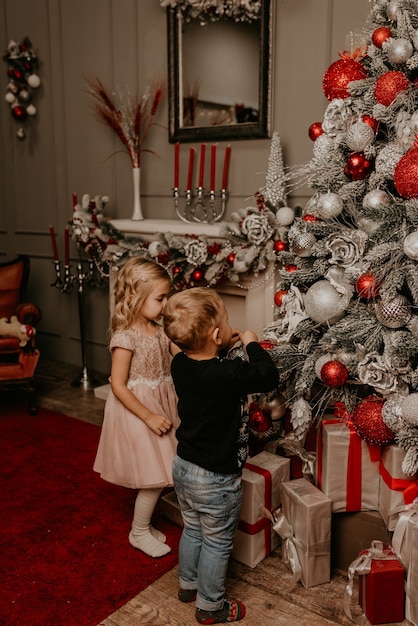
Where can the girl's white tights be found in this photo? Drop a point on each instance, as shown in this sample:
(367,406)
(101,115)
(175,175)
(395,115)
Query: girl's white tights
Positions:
(143,536)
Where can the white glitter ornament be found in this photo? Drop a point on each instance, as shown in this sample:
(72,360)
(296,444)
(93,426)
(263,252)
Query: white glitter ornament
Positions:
(323,303)
(285,215)
(329,205)
(31,109)
(376,199)
(409,409)
(393,313)
(392,412)
(410,245)
(359,136)
(399,50)
(9,97)
(34,81)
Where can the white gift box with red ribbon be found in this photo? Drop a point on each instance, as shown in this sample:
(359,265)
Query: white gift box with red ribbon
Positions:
(405,546)
(396,489)
(347,468)
(262,478)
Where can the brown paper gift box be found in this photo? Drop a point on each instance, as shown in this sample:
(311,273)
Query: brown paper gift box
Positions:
(347,468)
(262,478)
(308,512)
(396,488)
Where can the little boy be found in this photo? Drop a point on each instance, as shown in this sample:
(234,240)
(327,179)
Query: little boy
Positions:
(212,442)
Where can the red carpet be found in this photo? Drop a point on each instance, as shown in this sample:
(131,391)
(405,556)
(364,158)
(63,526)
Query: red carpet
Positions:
(65,556)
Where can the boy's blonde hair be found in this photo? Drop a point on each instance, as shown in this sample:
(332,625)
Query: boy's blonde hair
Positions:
(134,283)
(190,315)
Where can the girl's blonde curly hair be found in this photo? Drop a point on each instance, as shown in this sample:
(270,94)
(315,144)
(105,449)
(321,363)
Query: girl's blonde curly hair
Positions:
(134,283)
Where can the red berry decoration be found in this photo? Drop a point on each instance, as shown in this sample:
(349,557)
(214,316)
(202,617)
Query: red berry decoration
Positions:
(389,85)
(371,121)
(367,286)
(406,175)
(339,75)
(380,35)
(231,258)
(368,422)
(334,374)
(315,130)
(279,295)
(291,268)
(309,218)
(176,270)
(267,345)
(260,421)
(358,167)
(280,246)
(197,275)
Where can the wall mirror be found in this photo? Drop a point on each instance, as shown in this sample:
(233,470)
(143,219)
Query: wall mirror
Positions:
(219,76)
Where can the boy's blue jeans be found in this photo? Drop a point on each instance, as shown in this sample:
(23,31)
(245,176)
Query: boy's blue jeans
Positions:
(210,504)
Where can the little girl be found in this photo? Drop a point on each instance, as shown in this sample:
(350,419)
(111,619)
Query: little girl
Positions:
(137,443)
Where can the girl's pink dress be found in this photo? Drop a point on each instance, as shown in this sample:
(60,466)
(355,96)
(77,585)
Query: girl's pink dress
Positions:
(130,453)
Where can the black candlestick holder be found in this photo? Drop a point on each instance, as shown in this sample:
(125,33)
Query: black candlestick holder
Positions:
(203,207)
(65,281)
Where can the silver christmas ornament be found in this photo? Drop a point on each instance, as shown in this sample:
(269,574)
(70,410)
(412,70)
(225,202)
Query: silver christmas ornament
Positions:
(302,243)
(392,412)
(393,313)
(409,409)
(20,134)
(323,303)
(285,215)
(392,10)
(329,205)
(399,50)
(359,136)
(376,199)
(410,245)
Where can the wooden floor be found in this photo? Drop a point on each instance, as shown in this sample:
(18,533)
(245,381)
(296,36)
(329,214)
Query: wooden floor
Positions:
(271,596)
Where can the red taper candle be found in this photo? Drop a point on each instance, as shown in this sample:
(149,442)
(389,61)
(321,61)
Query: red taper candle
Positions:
(212,167)
(202,164)
(66,246)
(226,167)
(54,244)
(176,164)
(190,172)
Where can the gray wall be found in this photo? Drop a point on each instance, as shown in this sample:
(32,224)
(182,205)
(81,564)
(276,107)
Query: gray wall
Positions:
(67,150)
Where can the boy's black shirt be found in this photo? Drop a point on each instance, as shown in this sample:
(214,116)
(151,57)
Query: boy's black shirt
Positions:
(209,406)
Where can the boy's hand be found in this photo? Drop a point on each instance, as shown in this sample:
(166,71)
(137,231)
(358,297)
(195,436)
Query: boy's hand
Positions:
(247,337)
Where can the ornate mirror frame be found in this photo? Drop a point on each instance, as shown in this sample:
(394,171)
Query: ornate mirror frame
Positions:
(246,130)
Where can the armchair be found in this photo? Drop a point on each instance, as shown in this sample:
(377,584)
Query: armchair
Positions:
(18,355)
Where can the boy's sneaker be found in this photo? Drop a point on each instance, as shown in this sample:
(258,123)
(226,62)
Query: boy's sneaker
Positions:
(232,611)
(187,595)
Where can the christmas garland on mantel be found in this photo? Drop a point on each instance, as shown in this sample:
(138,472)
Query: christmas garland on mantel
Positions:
(248,244)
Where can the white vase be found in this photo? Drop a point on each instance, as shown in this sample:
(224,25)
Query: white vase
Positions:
(137,213)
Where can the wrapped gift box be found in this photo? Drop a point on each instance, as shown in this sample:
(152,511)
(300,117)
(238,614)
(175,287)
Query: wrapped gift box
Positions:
(381,591)
(411,604)
(396,488)
(308,513)
(347,468)
(262,479)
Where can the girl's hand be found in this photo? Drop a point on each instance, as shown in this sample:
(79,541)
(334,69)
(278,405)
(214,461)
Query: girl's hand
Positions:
(159,424)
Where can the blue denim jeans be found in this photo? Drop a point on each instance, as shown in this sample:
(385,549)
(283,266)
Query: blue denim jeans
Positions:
(210,505)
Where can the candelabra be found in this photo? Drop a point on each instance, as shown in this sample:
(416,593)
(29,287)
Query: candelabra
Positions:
(65,281)
(204,207)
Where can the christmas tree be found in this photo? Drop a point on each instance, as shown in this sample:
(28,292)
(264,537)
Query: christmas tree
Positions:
(345,332)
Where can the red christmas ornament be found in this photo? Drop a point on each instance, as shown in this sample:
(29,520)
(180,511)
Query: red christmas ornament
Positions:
(380,35)
(291,268)
(358,167)
(280,246)
(339,75)
(267,345)
(197,275)
(310,218)
(406,175)
(367,286)
(231,258)
(19,113)
(176,270)
(315,130)
(260,420)
(389,85)
(334,374)
(368,422)
(371,121)
(278,297)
